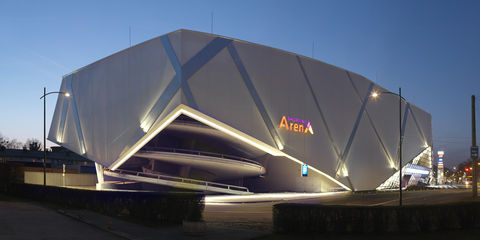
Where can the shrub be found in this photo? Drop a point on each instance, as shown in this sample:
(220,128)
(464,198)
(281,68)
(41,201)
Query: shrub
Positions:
(170,208)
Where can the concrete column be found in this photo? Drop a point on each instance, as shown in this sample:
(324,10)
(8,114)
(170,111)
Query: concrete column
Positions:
(99,169)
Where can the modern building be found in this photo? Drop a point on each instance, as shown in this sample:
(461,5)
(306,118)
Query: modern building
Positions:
(205,112)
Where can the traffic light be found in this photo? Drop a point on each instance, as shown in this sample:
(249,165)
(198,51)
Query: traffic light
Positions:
(467,169)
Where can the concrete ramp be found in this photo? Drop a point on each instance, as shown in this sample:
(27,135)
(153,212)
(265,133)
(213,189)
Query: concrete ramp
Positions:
(178,182)
(223,166)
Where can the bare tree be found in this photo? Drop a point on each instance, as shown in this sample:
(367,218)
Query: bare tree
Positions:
(33,144)
(3,143)
(6,143)
(14,144)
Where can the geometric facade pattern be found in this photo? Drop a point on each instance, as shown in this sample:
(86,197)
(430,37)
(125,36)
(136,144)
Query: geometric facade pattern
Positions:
(416,171)
(119,103)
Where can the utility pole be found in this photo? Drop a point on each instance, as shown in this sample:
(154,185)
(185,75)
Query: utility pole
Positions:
(44,138)
(474,151)
(400,144)
(66,94)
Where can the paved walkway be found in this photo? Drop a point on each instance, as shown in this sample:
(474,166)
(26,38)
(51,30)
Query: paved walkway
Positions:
(21,219)
(28,220)
(128,230)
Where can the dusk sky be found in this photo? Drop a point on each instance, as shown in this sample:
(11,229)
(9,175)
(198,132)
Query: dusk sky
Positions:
(429,48)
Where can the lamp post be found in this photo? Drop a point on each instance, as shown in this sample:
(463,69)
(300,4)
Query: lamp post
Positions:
(66,94)
(400,98)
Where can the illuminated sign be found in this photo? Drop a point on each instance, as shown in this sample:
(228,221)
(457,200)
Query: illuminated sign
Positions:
(440,159)
(304,170)
(296,125)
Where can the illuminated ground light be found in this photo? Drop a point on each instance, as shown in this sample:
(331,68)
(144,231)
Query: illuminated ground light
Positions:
(264,197)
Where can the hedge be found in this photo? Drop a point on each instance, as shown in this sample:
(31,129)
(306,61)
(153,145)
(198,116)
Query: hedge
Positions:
(310,218)
(169,208)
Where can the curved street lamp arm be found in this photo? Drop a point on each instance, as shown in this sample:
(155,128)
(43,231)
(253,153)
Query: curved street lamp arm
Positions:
(396,94)
(67,94)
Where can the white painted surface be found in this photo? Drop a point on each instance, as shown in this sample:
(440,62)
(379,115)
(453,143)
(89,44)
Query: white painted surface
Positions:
(58,179)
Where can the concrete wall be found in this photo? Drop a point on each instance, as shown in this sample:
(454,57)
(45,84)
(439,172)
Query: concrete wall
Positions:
(57,179)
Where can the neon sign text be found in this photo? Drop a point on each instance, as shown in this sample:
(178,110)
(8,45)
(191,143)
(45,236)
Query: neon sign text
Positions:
(296,125)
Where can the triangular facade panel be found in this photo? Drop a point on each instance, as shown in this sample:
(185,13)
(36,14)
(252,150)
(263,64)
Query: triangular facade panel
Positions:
(70,137)
(229,99)
(365,163)
(384,114)
(361,84)
(424,121)
(192,43)
(268,71)
(336,97)
(413,142)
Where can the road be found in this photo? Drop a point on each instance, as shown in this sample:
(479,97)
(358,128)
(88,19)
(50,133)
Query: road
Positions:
(258,215)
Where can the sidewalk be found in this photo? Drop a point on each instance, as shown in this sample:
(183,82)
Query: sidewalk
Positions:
(29,220)
(128,230)
(24,219)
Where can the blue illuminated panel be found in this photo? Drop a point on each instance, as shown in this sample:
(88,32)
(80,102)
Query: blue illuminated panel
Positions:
(304,170)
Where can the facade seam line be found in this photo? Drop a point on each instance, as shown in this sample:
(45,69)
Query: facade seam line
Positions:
(179,81)
(317,104)
(81,140)
(389,157)
(418,126)
(172,56)
(354,130)
(61,127)
(256,98)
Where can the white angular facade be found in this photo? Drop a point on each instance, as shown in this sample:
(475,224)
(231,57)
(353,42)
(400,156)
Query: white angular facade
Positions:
(241,91)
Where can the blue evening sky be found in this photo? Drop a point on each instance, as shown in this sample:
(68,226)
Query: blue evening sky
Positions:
(429,48)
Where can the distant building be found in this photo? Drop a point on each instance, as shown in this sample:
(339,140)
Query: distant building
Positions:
(25,160)
(204,112)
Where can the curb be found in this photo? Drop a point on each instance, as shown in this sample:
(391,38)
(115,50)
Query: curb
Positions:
(105,229)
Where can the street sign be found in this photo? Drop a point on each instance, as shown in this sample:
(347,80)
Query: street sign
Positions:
(474,152)
(304,170)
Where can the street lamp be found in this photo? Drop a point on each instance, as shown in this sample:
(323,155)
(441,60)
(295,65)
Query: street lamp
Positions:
(400,98)
(66,94)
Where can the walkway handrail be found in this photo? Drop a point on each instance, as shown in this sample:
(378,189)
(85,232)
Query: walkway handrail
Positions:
(199,153)
(180,179)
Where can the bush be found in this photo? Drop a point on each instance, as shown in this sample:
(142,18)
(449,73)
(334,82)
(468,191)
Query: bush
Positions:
(416,188)
(170,208)
(308,218)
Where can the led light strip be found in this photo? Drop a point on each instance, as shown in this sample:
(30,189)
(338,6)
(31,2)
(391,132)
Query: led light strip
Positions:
(148,136)
(190,112)
(212,200)
(230,131)
(413,170)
